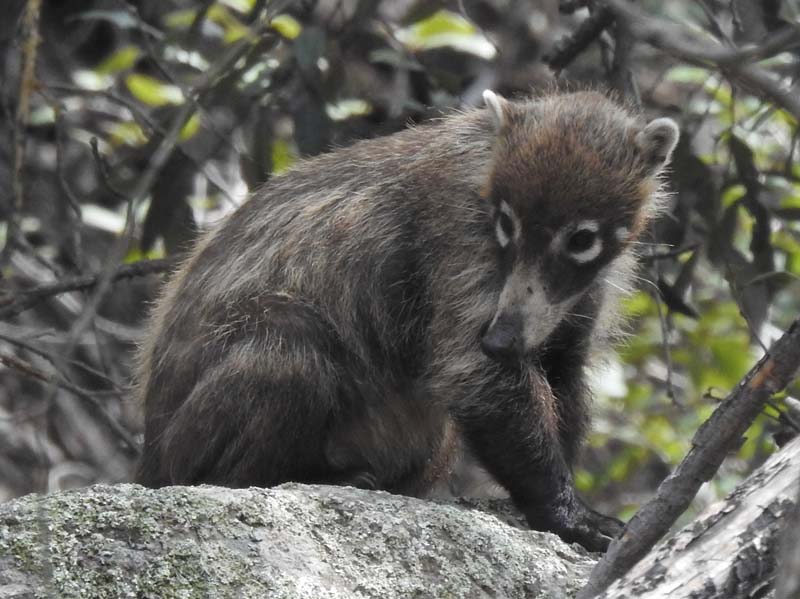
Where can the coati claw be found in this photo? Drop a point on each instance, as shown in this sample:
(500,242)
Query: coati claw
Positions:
(577,524)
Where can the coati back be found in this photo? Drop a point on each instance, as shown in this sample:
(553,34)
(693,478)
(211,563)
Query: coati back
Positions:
(370,310)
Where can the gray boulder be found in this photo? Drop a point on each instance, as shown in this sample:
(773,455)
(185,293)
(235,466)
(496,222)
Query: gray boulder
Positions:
(293,541)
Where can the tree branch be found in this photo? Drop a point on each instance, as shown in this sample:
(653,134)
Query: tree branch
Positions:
(733,63)
(27,82)
(788,579)
(712,442)
(567,48)
(130,444)
(28,298)
(731,549)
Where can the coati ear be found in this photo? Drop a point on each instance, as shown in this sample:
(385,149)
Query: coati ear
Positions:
(498,108)
(656,142)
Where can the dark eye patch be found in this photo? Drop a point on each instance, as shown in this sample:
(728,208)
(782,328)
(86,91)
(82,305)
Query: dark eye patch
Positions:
(505,224)
(581,241)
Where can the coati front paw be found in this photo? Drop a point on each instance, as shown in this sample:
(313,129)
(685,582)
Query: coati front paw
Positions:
(575,522)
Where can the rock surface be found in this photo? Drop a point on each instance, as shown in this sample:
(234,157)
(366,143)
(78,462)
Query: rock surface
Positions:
(292,541)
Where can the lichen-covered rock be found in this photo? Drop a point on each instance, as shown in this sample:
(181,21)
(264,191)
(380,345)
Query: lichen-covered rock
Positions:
(293,541)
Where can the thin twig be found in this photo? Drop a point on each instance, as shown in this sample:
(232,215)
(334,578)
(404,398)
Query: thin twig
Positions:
(622,78)
(27,82)
(52,379)
(712,442)
(28,298)
(51,359)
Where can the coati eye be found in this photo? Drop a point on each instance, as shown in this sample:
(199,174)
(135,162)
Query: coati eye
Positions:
(504,226)
(581,241)
(584,244)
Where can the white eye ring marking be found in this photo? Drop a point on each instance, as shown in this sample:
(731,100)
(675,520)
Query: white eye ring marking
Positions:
(622,234)
(502,237)
(591,252)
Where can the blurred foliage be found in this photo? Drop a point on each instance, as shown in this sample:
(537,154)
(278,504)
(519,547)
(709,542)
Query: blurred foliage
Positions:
(721,266)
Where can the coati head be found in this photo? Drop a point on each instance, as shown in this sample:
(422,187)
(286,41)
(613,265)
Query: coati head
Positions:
(573,183)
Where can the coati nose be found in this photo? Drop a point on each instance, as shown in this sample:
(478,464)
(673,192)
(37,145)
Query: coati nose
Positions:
(501,341)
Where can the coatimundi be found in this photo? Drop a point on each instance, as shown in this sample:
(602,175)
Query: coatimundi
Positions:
(367,314)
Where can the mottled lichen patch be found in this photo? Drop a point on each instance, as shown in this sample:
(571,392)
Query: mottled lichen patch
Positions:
(290,542)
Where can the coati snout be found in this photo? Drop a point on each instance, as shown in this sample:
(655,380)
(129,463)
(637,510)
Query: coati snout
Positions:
(502,339)
(333,329)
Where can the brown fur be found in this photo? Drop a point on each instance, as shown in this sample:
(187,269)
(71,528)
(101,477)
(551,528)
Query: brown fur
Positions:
(330,329)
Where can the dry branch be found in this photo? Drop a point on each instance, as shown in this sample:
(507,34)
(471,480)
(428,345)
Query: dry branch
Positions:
(732,549)
(23,367)
(685,45)
(788,579)
(569,47)
(28,298)
(30,47)
(717,436)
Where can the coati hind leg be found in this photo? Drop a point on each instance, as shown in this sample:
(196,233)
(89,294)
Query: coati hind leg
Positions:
(261,414)
(391,440)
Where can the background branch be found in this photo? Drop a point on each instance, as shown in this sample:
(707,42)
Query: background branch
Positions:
(685,45)
(712,442)
(788,579)
(25,299)
(27,80)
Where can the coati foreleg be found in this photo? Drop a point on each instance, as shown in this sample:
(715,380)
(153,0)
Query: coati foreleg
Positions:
(563,359)
(510,420)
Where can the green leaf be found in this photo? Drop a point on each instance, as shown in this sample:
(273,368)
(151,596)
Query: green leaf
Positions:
(344,109)
(121,18)
(180,19)
(732,194)
(731,356)
(191,127)
(243,6)
(443,21)
(792,197)
(137,255)
(151,91)
(91,80)
(121,60)
(584,480)
(638,304)
(447,29)
(126,133)
(233,27)
(43,115)
(282,157)
(287,26)
(687,74)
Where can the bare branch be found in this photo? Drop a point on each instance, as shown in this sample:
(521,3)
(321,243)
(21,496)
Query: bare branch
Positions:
(569,47)
(734,64)
(27,369)
(717,436)
(28,298)
(730,549)
(27,83)
(788,578)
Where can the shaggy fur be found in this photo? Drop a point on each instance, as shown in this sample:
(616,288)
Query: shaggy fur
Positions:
(330,329)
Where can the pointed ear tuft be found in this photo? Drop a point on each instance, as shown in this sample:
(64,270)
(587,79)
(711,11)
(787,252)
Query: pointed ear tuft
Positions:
(656,142)
(497,108)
